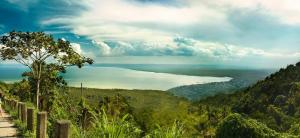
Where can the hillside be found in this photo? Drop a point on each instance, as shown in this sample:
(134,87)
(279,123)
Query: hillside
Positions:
(269,108)
(136,98)
(200,91)
(241,79)
(148,107)
(273,102)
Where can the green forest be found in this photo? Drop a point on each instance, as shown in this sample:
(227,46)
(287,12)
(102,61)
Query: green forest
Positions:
(268,108)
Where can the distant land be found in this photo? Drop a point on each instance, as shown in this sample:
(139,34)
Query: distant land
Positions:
(242,77)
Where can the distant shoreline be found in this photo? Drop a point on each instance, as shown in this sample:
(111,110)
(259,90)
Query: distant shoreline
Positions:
(125,78)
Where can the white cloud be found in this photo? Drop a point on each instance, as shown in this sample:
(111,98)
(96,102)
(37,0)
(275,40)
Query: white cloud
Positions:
(227,51)
(287,11)
(121,11)
(104,48)
(77,48)
(128,20)
(149,29)
(187,47)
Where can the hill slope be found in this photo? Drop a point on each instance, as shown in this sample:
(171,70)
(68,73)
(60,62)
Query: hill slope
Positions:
(201,91)
(274,102)
(241,79)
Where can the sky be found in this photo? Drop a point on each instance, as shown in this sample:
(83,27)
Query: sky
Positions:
(254,33)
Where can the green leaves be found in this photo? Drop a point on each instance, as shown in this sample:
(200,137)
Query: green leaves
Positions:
(236,126)
(29,47)
(43,55)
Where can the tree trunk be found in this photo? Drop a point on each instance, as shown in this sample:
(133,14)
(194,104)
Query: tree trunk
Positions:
(39,72)
(37,93)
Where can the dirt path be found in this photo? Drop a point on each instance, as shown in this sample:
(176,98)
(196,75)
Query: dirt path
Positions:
(7,129)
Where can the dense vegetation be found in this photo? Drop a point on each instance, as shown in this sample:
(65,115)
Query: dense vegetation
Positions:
(125,113)
(271,105)
(44,56)
(197,92)
(269,108)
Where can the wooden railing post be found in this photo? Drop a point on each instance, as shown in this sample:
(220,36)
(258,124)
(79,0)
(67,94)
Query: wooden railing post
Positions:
(30,119)
(41,130)
(23,113)
(5,101)
(62,129)
(19,110)
(15,105)
(9,103)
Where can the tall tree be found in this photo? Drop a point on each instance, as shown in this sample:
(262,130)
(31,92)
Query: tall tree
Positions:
(37,49)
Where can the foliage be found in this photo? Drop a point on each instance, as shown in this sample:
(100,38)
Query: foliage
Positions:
(270,108)
(175,131)
(236,126)
(50,81)
(275,100)
(121,128)
(148,108)
(21,89)
(37,51)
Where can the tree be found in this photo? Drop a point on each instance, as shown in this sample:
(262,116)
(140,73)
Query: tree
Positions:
(37,49)
(51,83)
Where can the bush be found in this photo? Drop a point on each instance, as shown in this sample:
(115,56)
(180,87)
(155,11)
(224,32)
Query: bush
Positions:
(176,131)
(236,126)
(105,128)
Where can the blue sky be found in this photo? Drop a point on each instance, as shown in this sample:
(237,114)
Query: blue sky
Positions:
(256,33)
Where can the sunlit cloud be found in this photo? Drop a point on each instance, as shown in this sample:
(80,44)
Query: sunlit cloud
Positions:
(128,20)
(76,47)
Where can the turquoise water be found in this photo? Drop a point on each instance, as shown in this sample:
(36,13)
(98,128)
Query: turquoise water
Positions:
(113,77)
(11,73)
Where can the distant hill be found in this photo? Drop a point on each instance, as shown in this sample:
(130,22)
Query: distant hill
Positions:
(200,91)
(241,79)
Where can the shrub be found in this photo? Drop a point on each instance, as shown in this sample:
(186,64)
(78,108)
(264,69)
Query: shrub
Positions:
(176,131)
(236,126)
(106,128)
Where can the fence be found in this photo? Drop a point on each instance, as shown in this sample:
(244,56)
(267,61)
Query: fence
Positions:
(26,115)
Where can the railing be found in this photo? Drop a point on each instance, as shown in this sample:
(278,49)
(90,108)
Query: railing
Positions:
(26,115)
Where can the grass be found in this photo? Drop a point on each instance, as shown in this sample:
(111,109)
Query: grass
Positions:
(150,107)
(138,99)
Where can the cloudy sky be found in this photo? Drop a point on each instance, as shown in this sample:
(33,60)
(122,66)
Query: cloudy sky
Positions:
(256,33)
